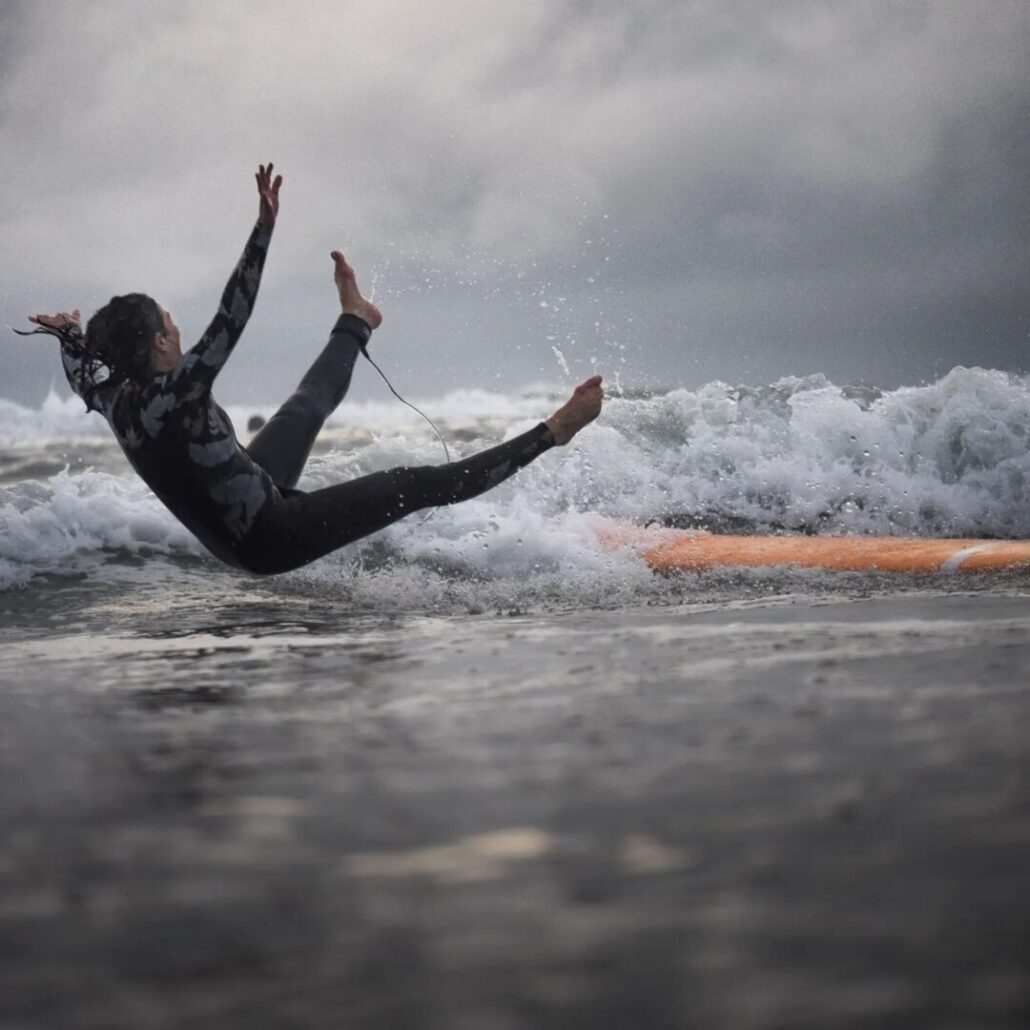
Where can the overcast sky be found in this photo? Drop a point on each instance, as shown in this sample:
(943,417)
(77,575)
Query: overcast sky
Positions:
(669,191)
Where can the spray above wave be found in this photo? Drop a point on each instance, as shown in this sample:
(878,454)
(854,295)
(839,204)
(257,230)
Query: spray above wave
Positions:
(58,418)
(801,455)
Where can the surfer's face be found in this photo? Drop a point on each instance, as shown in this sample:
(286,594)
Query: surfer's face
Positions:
(167,343)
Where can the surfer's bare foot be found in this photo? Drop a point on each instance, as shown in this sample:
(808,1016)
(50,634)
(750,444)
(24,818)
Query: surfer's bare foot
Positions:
(350,296)
(578,411)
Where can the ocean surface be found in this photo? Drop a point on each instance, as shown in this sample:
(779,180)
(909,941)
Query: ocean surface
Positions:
(476,771)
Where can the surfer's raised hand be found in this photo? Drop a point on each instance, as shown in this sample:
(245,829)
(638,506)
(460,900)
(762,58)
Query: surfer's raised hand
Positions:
(63,318)
(268,191)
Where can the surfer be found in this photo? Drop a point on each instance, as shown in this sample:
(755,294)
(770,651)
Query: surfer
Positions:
(240,502)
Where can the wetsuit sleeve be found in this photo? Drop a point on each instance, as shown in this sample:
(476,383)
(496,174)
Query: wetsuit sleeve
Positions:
(197,369)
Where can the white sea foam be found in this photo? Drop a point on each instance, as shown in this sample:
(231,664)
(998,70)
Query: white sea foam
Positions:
(71,522)
(946,459)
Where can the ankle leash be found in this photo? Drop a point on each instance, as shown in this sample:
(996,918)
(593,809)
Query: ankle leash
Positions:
(418,411)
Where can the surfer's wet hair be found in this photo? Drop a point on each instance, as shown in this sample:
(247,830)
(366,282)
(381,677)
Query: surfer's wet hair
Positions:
(120,337)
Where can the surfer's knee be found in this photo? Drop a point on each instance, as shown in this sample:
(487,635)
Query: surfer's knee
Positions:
(301,405)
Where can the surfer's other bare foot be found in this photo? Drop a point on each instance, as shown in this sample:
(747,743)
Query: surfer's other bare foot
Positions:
(578,411)
(350,296)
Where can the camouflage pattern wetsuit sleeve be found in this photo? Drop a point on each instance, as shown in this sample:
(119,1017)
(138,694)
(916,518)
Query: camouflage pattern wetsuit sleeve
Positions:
(193,375)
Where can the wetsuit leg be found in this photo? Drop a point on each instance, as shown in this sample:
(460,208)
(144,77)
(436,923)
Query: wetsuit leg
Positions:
(283,444)
(300,527)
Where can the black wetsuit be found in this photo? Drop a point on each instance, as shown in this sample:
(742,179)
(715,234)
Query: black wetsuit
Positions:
(241,503)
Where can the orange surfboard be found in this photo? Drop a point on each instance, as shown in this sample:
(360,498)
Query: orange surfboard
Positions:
(668,550)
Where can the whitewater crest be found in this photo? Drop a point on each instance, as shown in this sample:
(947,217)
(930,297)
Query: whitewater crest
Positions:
(950,458)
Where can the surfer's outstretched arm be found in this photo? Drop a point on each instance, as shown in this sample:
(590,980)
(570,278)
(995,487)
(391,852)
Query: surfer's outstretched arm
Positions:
(199,366)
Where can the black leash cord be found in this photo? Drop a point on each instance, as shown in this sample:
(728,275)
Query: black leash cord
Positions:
(418,411)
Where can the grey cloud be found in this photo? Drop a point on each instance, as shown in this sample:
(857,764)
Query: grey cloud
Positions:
(687,189)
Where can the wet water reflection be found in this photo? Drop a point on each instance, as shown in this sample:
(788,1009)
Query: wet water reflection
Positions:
(273,812)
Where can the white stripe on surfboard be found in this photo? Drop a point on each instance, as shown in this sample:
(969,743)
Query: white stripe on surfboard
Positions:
(954,563)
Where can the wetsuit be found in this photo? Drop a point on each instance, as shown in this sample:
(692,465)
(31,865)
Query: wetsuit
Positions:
(241,503)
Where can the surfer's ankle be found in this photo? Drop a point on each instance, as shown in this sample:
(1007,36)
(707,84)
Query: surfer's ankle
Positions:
(578,411)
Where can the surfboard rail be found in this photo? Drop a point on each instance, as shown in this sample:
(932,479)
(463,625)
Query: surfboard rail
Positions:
(670,550)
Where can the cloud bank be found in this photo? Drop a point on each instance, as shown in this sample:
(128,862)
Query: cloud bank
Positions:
(668,191)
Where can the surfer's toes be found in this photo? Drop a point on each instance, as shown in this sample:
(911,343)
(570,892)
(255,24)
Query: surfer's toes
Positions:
(578,411)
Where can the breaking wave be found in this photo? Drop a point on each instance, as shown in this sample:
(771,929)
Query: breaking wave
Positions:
(950,458)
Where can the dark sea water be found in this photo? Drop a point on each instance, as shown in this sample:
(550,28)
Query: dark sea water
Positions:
(478,772)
